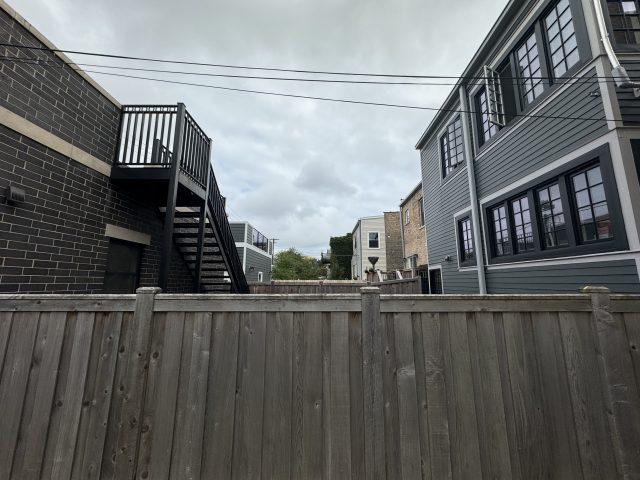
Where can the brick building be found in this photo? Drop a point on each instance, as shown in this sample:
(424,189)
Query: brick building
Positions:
(89,222)
(414,237)
(393,245)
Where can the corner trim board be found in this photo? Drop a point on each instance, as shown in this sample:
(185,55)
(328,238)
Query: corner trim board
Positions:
(38,134)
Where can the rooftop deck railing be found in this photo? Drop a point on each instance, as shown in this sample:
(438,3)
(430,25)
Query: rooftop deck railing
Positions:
(148,136)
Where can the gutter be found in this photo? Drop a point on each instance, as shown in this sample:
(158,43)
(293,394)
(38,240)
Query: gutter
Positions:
(618,72)
(473,194)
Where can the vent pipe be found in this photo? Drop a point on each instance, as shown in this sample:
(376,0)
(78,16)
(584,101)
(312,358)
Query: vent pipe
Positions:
(619,73)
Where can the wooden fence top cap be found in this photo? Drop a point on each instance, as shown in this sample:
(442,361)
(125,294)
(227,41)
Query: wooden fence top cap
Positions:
(370,290)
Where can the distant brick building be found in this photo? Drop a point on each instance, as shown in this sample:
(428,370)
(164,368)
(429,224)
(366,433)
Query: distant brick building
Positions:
(414,235)
(78,228)
(393,245)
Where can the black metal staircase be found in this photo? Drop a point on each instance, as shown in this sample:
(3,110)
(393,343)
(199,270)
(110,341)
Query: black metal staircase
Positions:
(163,151)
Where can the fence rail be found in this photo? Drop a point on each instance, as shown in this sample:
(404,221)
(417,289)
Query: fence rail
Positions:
(309,386)
(407,286)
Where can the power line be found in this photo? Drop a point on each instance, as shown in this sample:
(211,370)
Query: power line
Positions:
(268,69)
(480,80)
(338,100)
(341,100)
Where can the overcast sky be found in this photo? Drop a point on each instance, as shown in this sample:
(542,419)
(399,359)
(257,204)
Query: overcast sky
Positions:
(299,170)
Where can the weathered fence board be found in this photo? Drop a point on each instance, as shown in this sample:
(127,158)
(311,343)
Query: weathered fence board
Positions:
(325,386)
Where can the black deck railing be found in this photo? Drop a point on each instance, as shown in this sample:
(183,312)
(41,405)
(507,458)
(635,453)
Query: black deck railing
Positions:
(147,139)
(148,136)
(218,212)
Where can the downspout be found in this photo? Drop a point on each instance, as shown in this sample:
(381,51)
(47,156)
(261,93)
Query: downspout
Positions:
(618,72)
(473,194)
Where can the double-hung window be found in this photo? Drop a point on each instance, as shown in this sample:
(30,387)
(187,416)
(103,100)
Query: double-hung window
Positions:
(561,36)
(530,70)
(625,20)
(574,212)
(374,240)
(451,147)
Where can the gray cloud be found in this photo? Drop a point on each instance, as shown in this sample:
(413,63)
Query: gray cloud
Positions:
(300,170)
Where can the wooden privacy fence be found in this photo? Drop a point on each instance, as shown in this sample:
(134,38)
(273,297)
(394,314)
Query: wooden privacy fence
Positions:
(320,386)
(406,286)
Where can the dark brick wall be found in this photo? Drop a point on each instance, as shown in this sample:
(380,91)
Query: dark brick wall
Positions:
(54,97)
(55,242)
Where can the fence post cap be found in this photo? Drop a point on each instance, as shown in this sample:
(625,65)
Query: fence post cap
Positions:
(590,289)
(149,290)
(370,290)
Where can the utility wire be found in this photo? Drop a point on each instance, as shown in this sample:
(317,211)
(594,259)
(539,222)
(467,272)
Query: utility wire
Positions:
(36,61)
(269,69)
(335,100)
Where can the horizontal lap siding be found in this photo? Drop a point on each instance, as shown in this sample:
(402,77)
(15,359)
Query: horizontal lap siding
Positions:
(441,202)
(237,230)
(619,276)
(629,103)
(54,97)
(537,142)
(260,263)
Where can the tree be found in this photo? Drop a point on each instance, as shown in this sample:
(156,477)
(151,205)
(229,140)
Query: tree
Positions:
(341,253)
(292,265)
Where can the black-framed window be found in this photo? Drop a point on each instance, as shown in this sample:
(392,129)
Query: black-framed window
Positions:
(591,202)
(552,217)
(570,211)
(625,20)
(421,209)
(501,237)
(452,147)
(374,240)
(530,70)
(561,38)
(555,46)
(487,129)
(465,242)
(522,224)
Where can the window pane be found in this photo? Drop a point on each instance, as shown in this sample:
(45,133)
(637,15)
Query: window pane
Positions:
(522,225)
(562,38)
(552,217)
(467,251)
(374,240)
(502,241)
(593,211)
(487,129)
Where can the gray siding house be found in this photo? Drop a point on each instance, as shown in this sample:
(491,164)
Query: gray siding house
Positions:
(255,251)
(530,170)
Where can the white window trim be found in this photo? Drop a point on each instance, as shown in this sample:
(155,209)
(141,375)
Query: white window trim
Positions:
(369,240)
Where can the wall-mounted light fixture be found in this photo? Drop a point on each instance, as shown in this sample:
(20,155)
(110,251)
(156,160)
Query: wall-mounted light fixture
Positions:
(15,195)
(251,269)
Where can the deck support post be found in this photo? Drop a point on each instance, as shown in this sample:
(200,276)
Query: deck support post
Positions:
(620,392)
(172,194)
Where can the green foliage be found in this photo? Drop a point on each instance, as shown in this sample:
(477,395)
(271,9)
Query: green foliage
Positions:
(341,253)
(292,265)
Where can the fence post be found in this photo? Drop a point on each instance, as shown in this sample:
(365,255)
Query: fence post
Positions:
(134,385)
(619,388)
(374,447)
